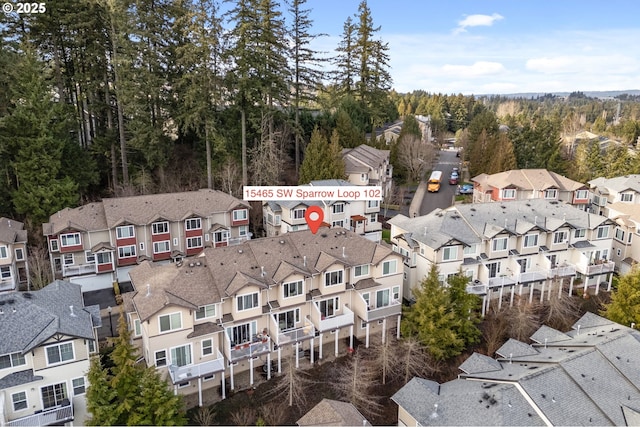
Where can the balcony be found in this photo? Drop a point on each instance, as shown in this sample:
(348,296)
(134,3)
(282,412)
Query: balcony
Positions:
(55,416)
(373,226)
(331,323)
(393,309)
(180,374)
(7,284)
(501,281)
(563,271)
(477,288)
(600,268)
(78,270)
(531,276)
(260,344)
(293,335)
(237,240)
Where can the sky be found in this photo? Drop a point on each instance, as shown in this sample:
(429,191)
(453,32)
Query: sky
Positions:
(498,46)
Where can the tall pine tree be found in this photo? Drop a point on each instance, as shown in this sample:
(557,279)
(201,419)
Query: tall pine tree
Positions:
(322,160)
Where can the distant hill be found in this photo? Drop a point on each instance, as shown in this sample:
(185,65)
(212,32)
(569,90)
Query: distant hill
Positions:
(592,94)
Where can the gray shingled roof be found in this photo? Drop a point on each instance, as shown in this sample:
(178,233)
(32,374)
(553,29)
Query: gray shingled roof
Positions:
(479,363)
(617,184)
(12,231)
(548,335)
(31,318)
(528,179)
(363,154)
(18,378)
(333,413)
(515,348)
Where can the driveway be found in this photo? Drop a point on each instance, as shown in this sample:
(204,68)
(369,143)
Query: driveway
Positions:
(446,196)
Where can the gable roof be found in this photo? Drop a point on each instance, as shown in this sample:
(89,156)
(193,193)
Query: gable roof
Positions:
(528,179)
(141,210)
(364,155)
(333,413)
(617,184)
(29,319)
(12,231)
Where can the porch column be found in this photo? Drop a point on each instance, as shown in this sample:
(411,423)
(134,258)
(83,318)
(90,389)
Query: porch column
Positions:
(200,391)
(250,370)
(297,357)
(520,293)
(398,330)
(550,289)
(269,366)
(571,284)
(336,340)
(366,339)
(531,286)
(586,283)
(484,304)
(542,292)
(175,390)
(609,282)
(351,337)
(598,284)
(500,297)
(488,298)
(560,286)
(312,351)
(320,348)
(231,376)
(224,386)
(279,360)
(513,292)
(384,329)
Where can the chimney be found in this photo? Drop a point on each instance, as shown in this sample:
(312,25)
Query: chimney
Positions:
(71,310)
(148,289)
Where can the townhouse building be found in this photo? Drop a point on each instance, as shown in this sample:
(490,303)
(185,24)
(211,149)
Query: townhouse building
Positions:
(605,191)
(526,247)
(47,338)
(626,241)
(366,165)
(98,243)
(14,268)
(586,376)
(521,184)
(361,217)
(233,309)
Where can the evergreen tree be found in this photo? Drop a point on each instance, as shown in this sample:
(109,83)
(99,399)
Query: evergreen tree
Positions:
(345,60)
(624,307)
(465,306)
(127,393)
(322,160)
(410,126)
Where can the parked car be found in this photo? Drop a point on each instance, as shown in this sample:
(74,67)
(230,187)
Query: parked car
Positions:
(465,188)
(453,179)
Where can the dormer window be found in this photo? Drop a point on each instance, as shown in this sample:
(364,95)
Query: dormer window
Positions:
(551,194)
(240,215)
(71,239)
(160,227)
(299,213)
(509,193)
(125,232)
(338,208)
(626,197)
(193,224)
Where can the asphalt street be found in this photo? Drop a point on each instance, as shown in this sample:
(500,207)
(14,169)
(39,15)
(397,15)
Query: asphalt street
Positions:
(446,196)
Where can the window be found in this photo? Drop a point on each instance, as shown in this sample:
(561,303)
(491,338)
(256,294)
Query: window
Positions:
(90,257)
(395,293)
(19,401)
(72,239)
(247,302)
(618,252)
(53,395)
(207,347)
(278,219)
(382,298)
(19,254)
(181,356)
(53,245)
(299,213)
(579,233)
(160,227)
(67,259)
(221,236)
(619,234)
(499,244)
(11,360)
(161,247)
(450,253)
(366,298)
(329,307)
(193,224)
(629,238)
(184,384)
(333,278)
(494,269)
(78,386)
(337,223)
(141,246)
(373,218)
(59,353)
(361,270)
(373,204)
(3,252)
(292,289)
(127,251)
(103,257)
(125,232)
(551,194)
(603,232)
(5,273)
(175,241)
(508,193)
(530,240)
(338,208)
(389,267)
(92,346)
(626,197)
(242,333)
(137,327)
(208,377)
(161,358)
(560,237)
(363,177)
(288,319)
(206,311)
(470,250)
(170,322)
(194,242)
(582,194)
(240,215)
(243,230)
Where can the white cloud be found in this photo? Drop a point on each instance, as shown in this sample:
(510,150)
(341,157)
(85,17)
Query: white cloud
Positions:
(477,21)
(477,69)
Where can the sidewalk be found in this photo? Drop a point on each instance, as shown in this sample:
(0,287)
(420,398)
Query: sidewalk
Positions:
(416,203)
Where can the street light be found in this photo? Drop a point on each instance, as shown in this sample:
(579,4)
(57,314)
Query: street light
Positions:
(110,320)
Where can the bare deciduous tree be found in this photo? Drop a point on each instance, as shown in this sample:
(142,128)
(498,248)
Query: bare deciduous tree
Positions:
(415,156)
(494,331)
(353,384)
(40,274)
(245,416)
(274,413)
(267,158)
(414,360)
(523,318)
(560,313)
(294,382)
(205,416)
(230,178)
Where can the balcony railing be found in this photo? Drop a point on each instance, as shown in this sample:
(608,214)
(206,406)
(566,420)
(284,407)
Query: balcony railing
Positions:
(260,345)
(237,240)
(564,271)
(393,309)
(501,281)
(7,285)
(78,270)
(373,226)
(331,323)
(602,268)
(530,276)
(477,289)
(185,373)
(57,416)
(293,335)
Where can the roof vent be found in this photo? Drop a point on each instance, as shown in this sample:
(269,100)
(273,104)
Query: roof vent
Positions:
(198,263)
(71,310)
(282,242)
(262,271)
(148,289)
(10,301)
(27,295)
(239,251)
(304,260)
(191,264)
(344,255)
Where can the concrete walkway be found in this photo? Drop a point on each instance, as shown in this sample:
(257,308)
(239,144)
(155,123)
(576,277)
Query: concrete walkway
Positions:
(414,208)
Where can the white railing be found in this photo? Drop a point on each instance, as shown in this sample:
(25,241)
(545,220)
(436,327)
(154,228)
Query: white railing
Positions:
(564,271)
(394,308)
(293,335)
(59,415)
(477,289)
(77,270)
(501,281)
(237,240)
(185,373)
(531,276)
(331,323)
(602,268)
(259,345)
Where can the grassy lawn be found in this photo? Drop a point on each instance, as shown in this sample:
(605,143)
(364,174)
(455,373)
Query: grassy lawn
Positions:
(386,236)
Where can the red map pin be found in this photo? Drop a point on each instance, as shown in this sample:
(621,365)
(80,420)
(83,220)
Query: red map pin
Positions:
(314,217)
